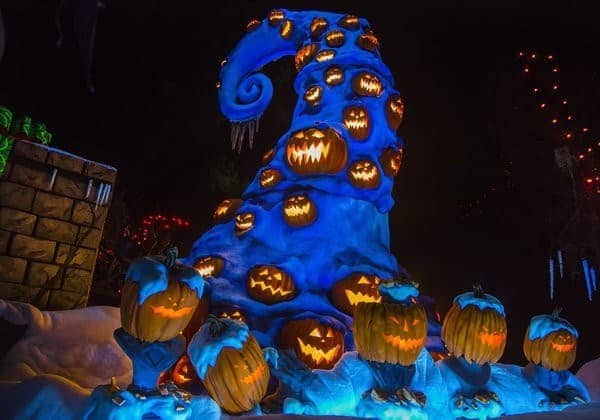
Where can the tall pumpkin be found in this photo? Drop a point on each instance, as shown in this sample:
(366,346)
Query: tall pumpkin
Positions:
(159,297)
(551,341)
(394,330)
(475,327)
(230,364)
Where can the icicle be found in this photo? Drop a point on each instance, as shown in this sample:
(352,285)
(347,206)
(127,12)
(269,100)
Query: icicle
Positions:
(560,263)
(107,191)
(89,188)
(99,195)
(594,277)
(588,280)
(251,133)
(551,269)
(54,172)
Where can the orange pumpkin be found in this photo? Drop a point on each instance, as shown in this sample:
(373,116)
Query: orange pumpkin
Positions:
(394,111)
(299,210)
(304,55)
(269,284)
(316,151)
(209,266)
(286,29)
(226,210)
(317,26)
(335,38)
(244,222)
(269,177)
(276,17)
(317,345)
(347,293)
(391,160)
(349,22)
(356,121)
(368,41)
(313,95)
(324,55)
(364,174)
(334,76)
(367,84)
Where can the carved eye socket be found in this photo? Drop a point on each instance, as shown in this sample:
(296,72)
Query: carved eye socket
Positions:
(170,298)
(329,333)
(415,322)
(316,333)
(395,320)
(363,280)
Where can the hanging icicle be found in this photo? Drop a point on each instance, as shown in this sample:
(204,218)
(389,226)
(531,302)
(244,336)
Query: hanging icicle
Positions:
(588,280)
(53,178)
(99,195)
(89,188)
(107,191)
(593,275)
(551,269)
(560,263)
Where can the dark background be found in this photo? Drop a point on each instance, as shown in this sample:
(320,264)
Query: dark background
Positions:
(479,198)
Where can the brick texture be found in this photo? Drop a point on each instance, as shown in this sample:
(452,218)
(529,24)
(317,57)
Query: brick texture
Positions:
(32,248)
(41,274)
(77,280)
(16,196)
(64,161)
(60,299)
(12,269)
(4,238)
(69,186)
(75,257)
(30,150)
(31,175)
(101,172)
(52,205)
(16,221)
(56,230)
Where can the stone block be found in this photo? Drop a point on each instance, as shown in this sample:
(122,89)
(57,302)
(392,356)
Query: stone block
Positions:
(56,230)
(36,176)
(30,150)
(16,196)
(76,257)
(76,280)
(4,238)
(22,293)
(12,269)
(101,172)
(32,248)
(6,173)
(16,221)
(60,299)
(40,274)
(69,186)
(51,205)
(65,161)
(87,214)
(89,237)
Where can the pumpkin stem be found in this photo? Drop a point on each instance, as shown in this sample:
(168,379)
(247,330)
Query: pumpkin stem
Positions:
(478,290)
(556,312)
(170,256)
(215,325)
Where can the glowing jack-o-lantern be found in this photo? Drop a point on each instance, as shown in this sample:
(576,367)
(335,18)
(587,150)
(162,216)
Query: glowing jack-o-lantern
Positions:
(317,26)
(391,160)
(183,372)
(364,174)
(356,121)
(304,55)
(243,223)
(349,22)
(313,95)
(163,315)
(268,156)
(316,151)
(367,84)
(286,29)
(475,327)
(269,284)
(299,210)
(324,55)
(276,17)
(551,341)
(233,313)
(392,332)
(209,266)
(334,76)
(252,25)
(394,111)
(368,41)
(335,38)
(269,178)
(347,293)
(226,210)
(319,346)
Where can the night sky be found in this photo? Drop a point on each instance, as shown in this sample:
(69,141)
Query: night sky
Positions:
(470,127)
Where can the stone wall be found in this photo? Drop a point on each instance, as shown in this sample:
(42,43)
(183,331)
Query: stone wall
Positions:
(53,206)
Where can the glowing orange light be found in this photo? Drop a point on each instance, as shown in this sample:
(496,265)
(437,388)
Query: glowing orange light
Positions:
(521,54)
(569,136)
(535,90)
(555,70)
(526,70)
(570,117)
(554,121)
(565,102)
(581,156)
(542,106)
(589,149)
(533,55)
(555,87)
(550,57)
(589,180)
(585,129)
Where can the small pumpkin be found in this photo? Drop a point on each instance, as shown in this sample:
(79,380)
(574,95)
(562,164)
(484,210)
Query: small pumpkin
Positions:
(394,111)
(334,76)
(209,266)
(324,55)
(268,156)
(316,151)
(551,341)
(356,121)
(269,177)
(252,25)
(230,364)
(335,38)
(226,210)
(368,41)
(393,330)
(475,327)
(313,95)
(276,17)
(318,345)
(364,174)
(367,84)
(347,293)
(286,29)
(270,284)
(391,160)
(159,297)
(184,373)
(299,210)
(349,22)
(304,55)
(317,26)
(233,313)
(244,222)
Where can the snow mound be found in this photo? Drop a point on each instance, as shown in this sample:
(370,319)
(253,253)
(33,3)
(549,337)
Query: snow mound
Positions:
(590,376)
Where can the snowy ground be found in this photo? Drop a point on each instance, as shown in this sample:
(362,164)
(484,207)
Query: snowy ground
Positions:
(78,345)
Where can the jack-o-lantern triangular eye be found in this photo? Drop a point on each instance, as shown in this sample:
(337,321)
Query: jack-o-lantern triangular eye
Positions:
(315,333)
(415,322)
(363,280)
(330,333)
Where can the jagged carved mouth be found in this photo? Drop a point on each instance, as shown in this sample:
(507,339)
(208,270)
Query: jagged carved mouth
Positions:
(269,178)
(313,95)
(286,29)
(315,151)
(317,27)
(367,84)
(254,376)
(318,355)
(209,266)
(270,284)
(304,55)
(364,174)
(171,313)
(243,223)
(368,41)
(275,17)
(325,55)
(494,339)
(274,290)
(563,348)
(318,345)
(356,121)
(403,344)
(354,298)
(297,210)
(335,38)
(349,22)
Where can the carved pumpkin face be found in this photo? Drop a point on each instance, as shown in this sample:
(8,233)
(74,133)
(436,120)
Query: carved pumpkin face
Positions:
(183,372)
(304,55)
(390,332)
(349,22)
(226,210)
(356,121)
(324,55)
(238,381)
(317,345)
(394,111)
(233,313)
(299,210)
(286,29)
(317,27)
(334,76)
(162,316)
(269,178)
(209,266)
(551,341)
(335,38)
(367,84)
(243,223)
(269,284)
(313,95)
(276,17)
(368,41)
(346,294)
(268,156)
(316,151)
(391,160)
(478,335)
(364,174)
(252,25)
